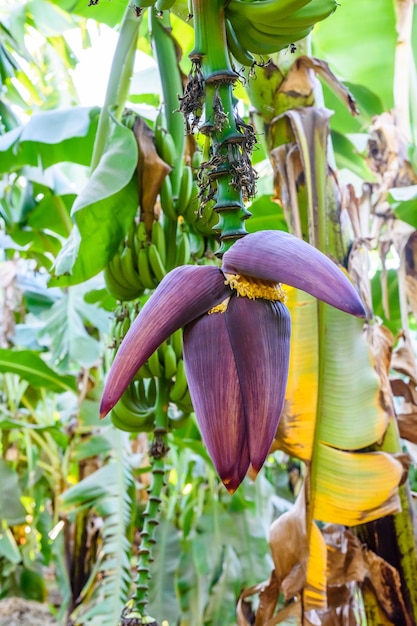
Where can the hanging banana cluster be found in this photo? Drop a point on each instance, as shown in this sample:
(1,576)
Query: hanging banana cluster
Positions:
(135,411)
(186,203)
(261,27)
(141,263)
(266,26)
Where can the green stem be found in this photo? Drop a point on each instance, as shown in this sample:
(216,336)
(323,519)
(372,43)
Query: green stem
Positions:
(210,35)
(229,171)
(118,83)
(166,55)
(151,514)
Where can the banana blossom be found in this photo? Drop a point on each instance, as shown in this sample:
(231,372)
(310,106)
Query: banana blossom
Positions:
(236,340)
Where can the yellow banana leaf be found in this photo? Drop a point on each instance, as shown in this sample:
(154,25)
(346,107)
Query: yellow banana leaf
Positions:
(323,422)
(315,588)
(353,488)
(296,430)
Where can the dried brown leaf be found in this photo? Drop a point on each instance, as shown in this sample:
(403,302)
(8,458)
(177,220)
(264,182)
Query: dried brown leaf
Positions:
(268,592)
(288,543)
(288,173)
(411,291)
(403,359)
(407,425)
(322,68)
(293,609)
(344,556)
(151,171)
(381,341)
(404,390)
(386,583)
(294,582)
(387,153)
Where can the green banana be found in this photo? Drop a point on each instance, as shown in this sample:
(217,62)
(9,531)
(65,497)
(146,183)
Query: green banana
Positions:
(116,269)
(170,362)
(151,392)
(207,221)
(123,327)
(176,342)
(143,372)
(185,190)
(308,15)
(158,239)
(145,270)
(197,245)
(128,416)
(155,262)
(196,159)
(273,39)
(127,266)
(167,200)
(164,5)
(154,365)
(268,10)
(184,403)
(261,27)
(140,234)
(166,148)
(141,424)
(144,4)
(183,249)
(121,424)
(180,385)
(242,56)
(115,286)
(260,42)
(190,213)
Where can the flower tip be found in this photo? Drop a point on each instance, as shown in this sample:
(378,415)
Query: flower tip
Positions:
(252,472)
(106,406)
(232,482)
(361,312)
(231,485)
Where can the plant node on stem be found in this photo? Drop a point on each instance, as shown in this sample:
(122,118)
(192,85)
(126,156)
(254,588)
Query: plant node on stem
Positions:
(227,177)
(134,613)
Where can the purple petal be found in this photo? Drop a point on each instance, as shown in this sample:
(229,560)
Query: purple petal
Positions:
(280,257)
(259,333)
(183,295)
(215,393)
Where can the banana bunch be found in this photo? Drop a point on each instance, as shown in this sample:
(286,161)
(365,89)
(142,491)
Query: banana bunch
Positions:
(167,363)
(119,327)
(179,391)
(266,26)
(121,275)
(151,254)
(181,204)
(135,411)
(179,193)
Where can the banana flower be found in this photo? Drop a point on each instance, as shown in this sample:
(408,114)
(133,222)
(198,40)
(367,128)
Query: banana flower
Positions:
(236,340)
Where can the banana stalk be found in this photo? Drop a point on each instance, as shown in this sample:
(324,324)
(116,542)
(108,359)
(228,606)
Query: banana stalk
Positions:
(136,606)
(227,176)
